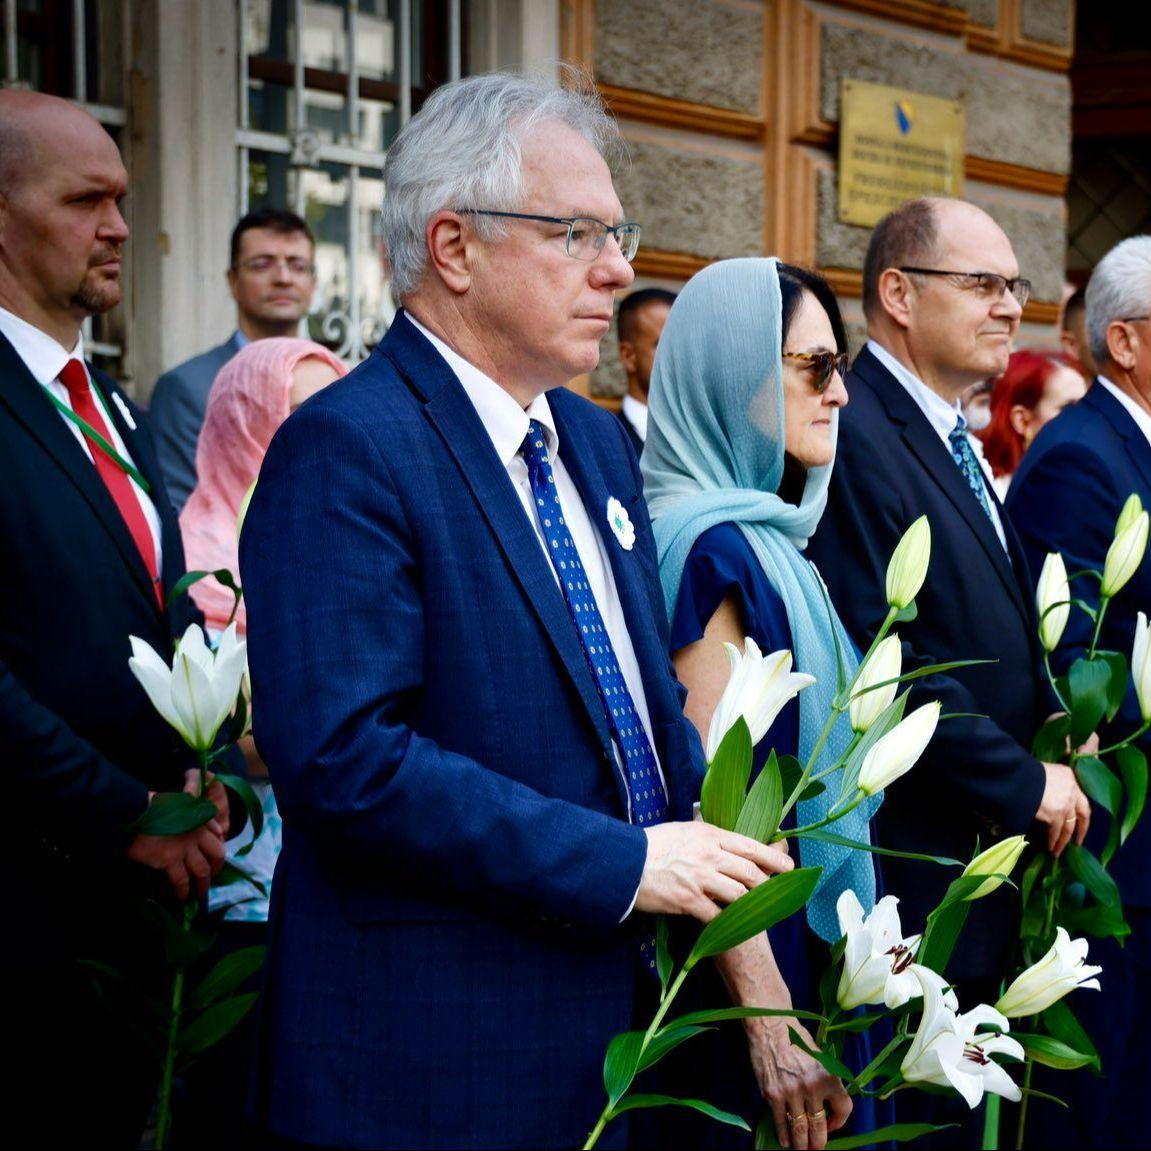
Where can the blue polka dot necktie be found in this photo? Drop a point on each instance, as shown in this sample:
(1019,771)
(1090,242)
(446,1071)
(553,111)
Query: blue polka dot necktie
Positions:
(964,455)
(645,787)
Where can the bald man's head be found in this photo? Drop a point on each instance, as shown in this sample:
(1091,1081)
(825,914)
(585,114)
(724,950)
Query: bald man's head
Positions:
(61,231)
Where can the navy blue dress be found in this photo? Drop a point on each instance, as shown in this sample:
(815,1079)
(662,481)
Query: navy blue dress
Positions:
(722,564)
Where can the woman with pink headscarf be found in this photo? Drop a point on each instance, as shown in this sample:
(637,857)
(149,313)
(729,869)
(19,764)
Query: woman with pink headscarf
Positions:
(252,396)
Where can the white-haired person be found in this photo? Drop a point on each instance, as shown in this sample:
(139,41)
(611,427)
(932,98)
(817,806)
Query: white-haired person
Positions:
(1066,497)
(449,572)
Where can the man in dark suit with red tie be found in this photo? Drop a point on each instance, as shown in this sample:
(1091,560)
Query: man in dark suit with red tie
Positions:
(91,548)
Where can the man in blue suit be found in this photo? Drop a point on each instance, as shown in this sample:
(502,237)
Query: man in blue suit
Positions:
(272,276)
(943,297)
(461,680)
(1066,497)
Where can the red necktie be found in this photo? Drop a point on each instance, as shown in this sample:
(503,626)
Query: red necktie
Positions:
(116,480)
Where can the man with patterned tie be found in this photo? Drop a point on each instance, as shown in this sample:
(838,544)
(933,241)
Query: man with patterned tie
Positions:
(943,298)
(90,548)
(462,686)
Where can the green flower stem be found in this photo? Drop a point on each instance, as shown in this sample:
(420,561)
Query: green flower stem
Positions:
(872,1069)
(164,1116)
(1051,681)
(1104,600)
(608,1114)
(1021,1126)
(1124,742)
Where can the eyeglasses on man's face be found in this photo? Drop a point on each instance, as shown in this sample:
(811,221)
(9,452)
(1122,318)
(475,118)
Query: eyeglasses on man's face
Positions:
(986,285)
(585,237)
(823,366)
(297,266)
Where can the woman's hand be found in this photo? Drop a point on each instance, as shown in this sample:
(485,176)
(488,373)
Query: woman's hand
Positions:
(807,1102)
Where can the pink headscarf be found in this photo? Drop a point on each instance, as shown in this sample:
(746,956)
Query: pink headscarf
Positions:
(249,400)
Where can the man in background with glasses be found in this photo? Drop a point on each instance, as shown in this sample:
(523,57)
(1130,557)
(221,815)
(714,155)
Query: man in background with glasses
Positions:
(943,298)
(459,660)
(272,277)
(1066,497)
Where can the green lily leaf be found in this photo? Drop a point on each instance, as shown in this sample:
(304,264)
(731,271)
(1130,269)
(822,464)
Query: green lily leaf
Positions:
(666,1040)
(1133,767)
(759,818)
(1050,743)
(230,873)
(825,836)
(189,578)
(1117,686)
(884,722)
(1100,783)
(174,813)
(252,805)
(621,1063)
(1091,873)
(635,1102)
(1052,1052)
(723,1014)
(663,961)
(227,976)
(725,784)
(824,1058)
(761,908)
(208,1028)
(1088,682)
(1060,1021)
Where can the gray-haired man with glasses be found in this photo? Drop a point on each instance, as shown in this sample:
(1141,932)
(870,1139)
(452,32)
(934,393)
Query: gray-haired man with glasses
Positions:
(943,297)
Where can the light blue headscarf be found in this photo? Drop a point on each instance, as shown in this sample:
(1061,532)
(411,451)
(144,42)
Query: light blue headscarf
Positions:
(714,454)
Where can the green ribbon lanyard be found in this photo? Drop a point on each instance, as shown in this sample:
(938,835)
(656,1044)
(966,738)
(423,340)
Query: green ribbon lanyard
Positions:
(97,439)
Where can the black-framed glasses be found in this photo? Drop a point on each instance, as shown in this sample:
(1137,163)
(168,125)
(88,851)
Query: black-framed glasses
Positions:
(585,237)
(823,366)
(986,285)
(1134,319)
(261,265)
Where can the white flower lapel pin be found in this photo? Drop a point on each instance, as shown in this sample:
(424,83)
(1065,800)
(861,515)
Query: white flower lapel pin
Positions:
(621,524)
(124,411)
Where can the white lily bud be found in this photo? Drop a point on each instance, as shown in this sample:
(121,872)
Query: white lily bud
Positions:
(897,752)
(1061,970)
(997,860)
(1125,554)
(1131,509)
(1141,665)
(1053,599)
(886,663)
(198,692)
(907,568)
(243,514)
(759,687)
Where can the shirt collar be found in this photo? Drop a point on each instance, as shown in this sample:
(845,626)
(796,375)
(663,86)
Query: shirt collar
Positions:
(636,412)
(940,414)
(42,355)
(504,420)
(1141,418)
(240,340)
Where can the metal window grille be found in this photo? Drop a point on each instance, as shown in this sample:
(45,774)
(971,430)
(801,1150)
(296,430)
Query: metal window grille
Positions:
(324,87)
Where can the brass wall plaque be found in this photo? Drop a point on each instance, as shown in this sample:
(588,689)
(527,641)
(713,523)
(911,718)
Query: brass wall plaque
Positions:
(895,145)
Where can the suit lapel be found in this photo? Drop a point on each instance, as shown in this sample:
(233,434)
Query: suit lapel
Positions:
(1138,449)
(26,400)
(464,436)
(929,450)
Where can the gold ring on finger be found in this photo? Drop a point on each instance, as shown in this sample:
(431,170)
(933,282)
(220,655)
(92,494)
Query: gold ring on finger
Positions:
(820,1114)
(796,1117)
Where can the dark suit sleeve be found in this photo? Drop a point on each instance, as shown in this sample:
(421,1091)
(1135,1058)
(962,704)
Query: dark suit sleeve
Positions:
(77,796)
(973,762)
(175,417)
(337,646)
(1068,502)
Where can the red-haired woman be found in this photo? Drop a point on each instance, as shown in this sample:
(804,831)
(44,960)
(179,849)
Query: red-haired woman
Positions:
(1036,387)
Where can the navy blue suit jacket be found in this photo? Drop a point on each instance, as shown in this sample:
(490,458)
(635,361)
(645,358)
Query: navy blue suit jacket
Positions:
(82,744)
(447,960)
(1066,497)
(978,778)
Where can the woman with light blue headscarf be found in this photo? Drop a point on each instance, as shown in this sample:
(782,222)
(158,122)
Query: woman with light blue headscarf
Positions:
(744,402)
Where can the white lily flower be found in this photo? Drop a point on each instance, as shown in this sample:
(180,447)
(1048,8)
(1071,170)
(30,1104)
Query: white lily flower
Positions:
(897,752)
(1061,970)
(759,687)
(1125,554)
(1141,665)
(198,692)
(886,663)
(877,959)
(1131,509)
(995,861)
(907,568)
(1053,589)
(950,1050)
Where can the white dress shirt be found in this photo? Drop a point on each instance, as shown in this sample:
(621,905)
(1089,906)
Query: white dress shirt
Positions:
(636,415)
(45,359)
(939,413)
(507,425)
(1141,418)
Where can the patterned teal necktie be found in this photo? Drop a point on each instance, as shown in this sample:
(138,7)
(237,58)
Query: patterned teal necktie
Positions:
(964,455)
